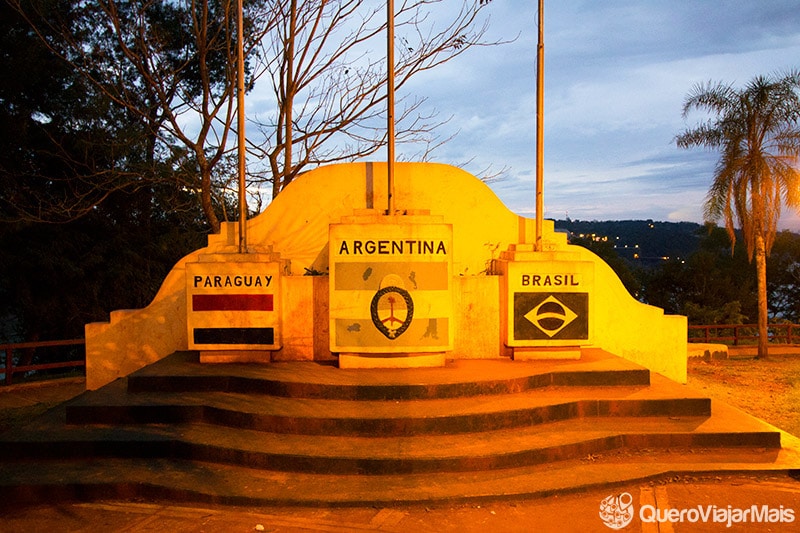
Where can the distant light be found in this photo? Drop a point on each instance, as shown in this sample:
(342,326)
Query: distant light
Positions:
(41,118)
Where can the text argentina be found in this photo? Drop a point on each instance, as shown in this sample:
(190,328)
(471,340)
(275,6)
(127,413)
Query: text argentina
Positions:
(393,247)
(242,280)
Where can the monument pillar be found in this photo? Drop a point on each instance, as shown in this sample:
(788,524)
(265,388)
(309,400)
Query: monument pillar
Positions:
(391,302)
(547,302)
(233,306)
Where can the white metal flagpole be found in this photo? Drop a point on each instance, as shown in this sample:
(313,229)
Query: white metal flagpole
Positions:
(241,134)
(390,103)
(540,130)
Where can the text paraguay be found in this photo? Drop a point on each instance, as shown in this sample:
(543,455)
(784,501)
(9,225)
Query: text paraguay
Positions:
(242,280)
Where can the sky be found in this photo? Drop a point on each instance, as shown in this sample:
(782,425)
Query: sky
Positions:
(616,75)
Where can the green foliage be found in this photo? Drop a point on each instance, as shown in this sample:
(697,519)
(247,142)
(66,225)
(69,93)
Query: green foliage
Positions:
(143,92)
(708,282)
(783,275)
(650,240)
(56,278)
(729,313)
(123,209)
(710,286)
(605,250)
(115,125)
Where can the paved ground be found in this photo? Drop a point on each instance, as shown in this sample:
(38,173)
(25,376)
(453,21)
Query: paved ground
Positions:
(776,497)
(40,392)
(21,402)
(566,513)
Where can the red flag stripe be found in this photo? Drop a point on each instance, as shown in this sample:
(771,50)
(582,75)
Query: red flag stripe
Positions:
(232,302)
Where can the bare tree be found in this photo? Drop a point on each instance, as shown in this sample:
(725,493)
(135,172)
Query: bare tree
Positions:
(171,67)
(170,64)
(328,73)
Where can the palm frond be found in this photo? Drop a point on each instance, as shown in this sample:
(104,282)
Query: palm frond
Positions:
(714,97)
(757,131)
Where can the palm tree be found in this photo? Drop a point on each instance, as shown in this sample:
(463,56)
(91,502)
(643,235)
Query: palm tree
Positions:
(757,132)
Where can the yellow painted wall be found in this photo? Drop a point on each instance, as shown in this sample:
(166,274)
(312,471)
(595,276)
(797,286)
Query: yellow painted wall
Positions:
(624,326)
(296,226)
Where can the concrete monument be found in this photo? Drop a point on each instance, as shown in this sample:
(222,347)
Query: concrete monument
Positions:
(330,276)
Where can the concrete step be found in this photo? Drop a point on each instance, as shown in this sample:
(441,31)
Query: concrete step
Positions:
(383,418)
(199,482)
(237,434)
(485,450)
(182,372)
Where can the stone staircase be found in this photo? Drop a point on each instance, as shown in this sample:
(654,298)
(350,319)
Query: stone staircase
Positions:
(309,434)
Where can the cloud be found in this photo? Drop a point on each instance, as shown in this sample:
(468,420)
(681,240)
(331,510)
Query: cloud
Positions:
(616,76)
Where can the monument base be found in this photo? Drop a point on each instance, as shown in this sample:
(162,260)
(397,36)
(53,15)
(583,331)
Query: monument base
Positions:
(555,352)
(427,360)
(235,356)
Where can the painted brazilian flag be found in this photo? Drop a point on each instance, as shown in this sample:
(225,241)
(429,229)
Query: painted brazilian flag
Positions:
(551,316)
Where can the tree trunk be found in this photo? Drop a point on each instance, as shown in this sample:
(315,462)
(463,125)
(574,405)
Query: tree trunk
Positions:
(206,202)
(761,274)
(289,102)
(277,181)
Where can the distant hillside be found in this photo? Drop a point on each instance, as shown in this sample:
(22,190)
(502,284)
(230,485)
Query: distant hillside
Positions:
(645,242)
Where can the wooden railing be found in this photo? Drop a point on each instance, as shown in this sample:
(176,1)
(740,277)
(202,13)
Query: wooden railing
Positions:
(10,368)
(742,334)
(731,334)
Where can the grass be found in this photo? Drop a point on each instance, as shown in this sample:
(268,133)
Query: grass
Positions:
(768,389)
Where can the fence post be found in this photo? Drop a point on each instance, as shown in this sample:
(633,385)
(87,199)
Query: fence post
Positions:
(9,364)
